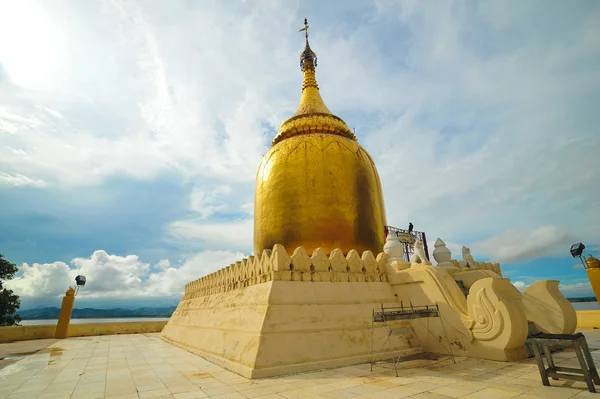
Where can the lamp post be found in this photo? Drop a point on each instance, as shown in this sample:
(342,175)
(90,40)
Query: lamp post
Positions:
(577,251)
(64,318)
(591,265)
(80,281)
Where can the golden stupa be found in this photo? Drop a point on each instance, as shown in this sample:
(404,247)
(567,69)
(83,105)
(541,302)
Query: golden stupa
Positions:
(317,187)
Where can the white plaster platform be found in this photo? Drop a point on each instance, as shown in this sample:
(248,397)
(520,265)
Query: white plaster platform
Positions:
(144,366)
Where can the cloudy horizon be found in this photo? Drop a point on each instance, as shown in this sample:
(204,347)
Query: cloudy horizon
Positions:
(131,132)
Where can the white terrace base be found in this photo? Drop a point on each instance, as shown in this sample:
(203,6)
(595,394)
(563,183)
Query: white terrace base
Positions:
(284,327)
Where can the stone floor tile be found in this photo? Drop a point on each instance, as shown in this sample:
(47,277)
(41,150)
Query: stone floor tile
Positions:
(4,392)
(492,393)
(318,389)
(440,379)
(22,395)
(120,387)
(278,387)
(385,394)
(422,386)
(218,391)
(55,395)
(553,392)
(527,382)
(152,387)
(453,391)
(339,394)
(152,367)
(88,378)
(232,395)
(124,396)
(344,383)
(428,395)
(246,386)
(513,386)
(183,388)
(190,395)
(147,380)
(296,393)
(87,395)
(256,392)
(92,392)
(363,389)
(154,394)
(207,383)
(302,383)
(586,394)
(33,386)
(382,384)
(397,392)
(61,386)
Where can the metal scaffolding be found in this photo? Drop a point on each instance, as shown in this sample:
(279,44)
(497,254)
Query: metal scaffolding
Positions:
(384,315)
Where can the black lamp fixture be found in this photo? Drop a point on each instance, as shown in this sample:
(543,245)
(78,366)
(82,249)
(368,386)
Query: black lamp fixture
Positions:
(577,252)
(80,281)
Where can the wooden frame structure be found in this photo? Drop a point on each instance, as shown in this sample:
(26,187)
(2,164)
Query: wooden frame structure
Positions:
(543,342)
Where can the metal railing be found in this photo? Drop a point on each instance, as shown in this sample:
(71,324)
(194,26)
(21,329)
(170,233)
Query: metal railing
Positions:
(408,239)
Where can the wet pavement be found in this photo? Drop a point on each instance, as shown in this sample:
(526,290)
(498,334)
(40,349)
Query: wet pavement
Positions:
(12,352)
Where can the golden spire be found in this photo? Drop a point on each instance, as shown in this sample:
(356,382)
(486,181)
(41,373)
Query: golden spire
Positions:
(312,115)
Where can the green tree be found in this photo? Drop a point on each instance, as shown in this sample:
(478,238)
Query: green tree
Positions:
(9,302)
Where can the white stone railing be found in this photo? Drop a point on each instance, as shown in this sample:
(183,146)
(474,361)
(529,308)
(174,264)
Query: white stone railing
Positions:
(278,265)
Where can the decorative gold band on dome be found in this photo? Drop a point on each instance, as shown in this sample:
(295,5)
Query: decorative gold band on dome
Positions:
(314,123)
(312,115)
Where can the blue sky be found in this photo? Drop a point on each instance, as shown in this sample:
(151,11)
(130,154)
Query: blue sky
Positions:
(131,131)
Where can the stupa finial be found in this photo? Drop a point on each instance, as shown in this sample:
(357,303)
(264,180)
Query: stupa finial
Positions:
(305,29)
(311,104)
(307,54)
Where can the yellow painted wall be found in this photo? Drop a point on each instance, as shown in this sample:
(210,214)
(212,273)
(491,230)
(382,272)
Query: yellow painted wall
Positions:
(23,333)
(588,319)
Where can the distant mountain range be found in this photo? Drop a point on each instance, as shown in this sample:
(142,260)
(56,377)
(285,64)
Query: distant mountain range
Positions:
(583,299)
(89,313)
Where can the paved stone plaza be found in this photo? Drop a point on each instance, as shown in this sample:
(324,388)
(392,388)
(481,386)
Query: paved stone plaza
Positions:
(143,366)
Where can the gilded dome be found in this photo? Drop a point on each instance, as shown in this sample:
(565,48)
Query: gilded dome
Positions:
(317,187)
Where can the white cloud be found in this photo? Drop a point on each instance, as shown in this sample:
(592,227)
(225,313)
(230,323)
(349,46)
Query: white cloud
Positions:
(576,289)
(20,180)
(171,280)
(41,279)
(521,245)
(112,273)
(569,290)
(520,285)
(200,114)
(207,204)
(113,276)
(474,132)
(233,235)
(163,264)
(522,152)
